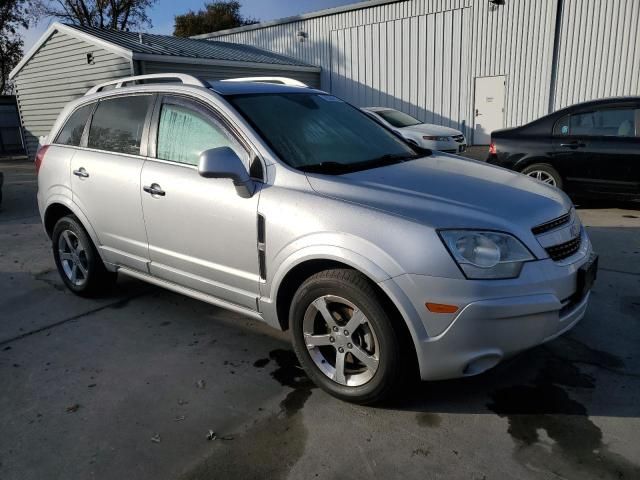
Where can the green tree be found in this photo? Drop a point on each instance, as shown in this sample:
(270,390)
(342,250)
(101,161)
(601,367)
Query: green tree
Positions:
(14,14)
(107,14)
(217,15)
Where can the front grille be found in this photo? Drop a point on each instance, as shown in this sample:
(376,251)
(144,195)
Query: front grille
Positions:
(564,250)
(458,138)
(550,225)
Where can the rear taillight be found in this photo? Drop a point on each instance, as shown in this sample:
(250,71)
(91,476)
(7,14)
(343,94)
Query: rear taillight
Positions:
(40,156)
(492,149)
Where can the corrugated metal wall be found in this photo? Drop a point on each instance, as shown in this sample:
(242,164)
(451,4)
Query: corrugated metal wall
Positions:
(412,55)
(58,74)
(417,64)
(422,56)
(219,72)
(316,49)
(599,50)
(516,40)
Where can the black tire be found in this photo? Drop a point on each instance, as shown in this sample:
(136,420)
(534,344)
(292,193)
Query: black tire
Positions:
(547,169)
(357,289)
(97,278)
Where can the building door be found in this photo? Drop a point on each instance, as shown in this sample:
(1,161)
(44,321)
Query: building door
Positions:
(489,108)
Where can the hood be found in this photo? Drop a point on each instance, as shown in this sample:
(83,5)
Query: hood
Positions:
(431,129)
(446,191)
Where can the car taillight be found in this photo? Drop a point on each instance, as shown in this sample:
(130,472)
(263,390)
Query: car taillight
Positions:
(40,156)
(492,149)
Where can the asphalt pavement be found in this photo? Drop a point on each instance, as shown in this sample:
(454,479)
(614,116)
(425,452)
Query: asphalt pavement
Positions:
(146,384)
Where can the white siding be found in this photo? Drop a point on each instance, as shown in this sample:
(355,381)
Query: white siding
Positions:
(599,51)
(57,74)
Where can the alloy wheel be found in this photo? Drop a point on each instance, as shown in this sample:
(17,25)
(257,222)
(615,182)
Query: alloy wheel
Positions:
(543,177)
(73,258)
(341,341)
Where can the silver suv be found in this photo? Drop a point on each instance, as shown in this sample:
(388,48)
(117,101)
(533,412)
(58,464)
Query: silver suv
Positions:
(288,205)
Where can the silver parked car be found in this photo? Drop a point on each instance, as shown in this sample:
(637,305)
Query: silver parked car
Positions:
(291,206)
(425,135)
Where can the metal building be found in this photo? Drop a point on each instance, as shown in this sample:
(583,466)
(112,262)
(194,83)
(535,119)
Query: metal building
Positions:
(475,65)
(68,60)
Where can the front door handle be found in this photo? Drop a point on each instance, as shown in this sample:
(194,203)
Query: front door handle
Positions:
(81,172)
(573,145)
(154,189)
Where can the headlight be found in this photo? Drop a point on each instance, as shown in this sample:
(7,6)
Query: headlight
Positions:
(484,254)
(435,139)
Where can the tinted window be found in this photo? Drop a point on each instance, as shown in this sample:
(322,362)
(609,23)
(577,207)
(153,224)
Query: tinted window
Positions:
(398,119)
(183,134)
(562,126)
(71,134)
(118,123)
(309,129)
(615,122)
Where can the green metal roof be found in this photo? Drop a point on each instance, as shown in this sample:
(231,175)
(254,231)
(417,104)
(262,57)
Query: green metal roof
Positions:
(151,44)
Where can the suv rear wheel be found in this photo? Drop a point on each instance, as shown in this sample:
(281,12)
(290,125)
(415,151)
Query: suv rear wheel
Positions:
(77,259)
(344,338)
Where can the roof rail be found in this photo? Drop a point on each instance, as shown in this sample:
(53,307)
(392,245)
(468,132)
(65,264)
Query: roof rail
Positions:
(158,77)
(279,80)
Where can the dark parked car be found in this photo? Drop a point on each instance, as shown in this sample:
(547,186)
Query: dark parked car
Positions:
(589,149)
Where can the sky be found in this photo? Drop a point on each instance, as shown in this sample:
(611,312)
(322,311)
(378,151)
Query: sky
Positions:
(163,12)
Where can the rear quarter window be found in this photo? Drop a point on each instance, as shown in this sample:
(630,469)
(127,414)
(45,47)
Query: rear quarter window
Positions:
(71,133)
(561,128)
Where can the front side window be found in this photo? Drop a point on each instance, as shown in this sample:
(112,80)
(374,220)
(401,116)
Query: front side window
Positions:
(319,132)
(71,133)
(118,123)
(611,122)
(398,119)
(183,134)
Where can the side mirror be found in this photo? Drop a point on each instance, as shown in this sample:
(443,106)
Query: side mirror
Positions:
(223,162)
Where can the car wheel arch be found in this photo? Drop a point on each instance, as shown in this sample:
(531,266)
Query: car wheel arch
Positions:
(60,207)
(302,271)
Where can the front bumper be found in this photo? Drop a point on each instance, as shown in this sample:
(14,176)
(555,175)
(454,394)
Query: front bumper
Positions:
(496,318)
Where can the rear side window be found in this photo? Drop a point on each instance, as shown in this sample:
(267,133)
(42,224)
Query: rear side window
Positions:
(118,123)
(612,122)
(71,134)
(183,134)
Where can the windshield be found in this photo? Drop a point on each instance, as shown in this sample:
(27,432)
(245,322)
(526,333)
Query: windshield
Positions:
(398,119)
(321,133)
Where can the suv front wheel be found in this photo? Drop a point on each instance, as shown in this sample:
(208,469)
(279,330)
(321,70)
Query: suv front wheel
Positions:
(77,259)
(344,337)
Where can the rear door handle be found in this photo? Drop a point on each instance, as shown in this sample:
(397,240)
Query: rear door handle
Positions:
(154,189)
(81,172)
(573,145)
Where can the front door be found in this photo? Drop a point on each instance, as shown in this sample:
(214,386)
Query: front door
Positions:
(202,234)
(489,108)
(105,178)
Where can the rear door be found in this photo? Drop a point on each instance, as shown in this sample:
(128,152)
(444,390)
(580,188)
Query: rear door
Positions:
(608,149)
(106,178)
